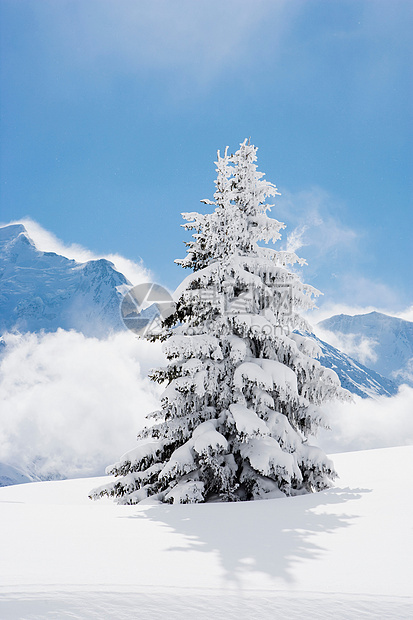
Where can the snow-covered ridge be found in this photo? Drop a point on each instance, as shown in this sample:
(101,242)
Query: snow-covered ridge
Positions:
(390,340)
(354,377)
(45,291)
(12,475)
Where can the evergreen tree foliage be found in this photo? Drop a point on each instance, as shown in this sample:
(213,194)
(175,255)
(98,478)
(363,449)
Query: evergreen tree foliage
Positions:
(242,386)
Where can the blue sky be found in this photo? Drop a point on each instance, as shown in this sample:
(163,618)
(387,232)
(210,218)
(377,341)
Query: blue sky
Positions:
(112,113)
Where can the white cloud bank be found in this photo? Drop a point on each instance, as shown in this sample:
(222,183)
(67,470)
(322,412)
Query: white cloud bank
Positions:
(369,423)
(71,405)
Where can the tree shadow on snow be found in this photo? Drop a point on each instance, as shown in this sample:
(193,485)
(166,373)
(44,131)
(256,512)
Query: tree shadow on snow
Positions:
(267,536)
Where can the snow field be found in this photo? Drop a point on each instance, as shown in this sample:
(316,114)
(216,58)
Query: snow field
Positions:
(342,553)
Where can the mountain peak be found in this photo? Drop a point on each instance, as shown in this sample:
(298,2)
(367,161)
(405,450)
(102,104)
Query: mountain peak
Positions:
(15,243)
(390,339)
(45,290)
(378,315)
(12,231)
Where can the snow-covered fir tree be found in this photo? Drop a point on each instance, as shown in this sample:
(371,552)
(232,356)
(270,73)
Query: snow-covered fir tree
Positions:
(242,387)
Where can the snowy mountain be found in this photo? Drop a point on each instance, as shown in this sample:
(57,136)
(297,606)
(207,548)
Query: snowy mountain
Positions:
(12,475)
(391,340)
(343,553)
(354,377)
(43,290)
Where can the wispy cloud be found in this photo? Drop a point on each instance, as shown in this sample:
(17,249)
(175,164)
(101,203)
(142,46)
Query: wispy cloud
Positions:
(335,253)
(295,239)
(197,40)
(364,291)
(313,217)
(407,314)
(405,373)
(362,349)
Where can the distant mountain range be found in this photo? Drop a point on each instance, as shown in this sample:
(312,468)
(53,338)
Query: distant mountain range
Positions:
(43,290)
(391,340)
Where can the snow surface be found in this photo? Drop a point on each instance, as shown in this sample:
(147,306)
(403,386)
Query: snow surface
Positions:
(342,553)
